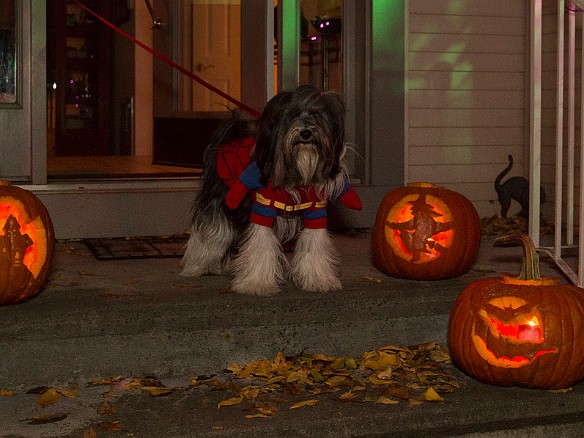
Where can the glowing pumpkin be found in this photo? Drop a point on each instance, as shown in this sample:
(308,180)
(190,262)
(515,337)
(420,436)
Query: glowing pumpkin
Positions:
(27,244)
(425,232)
(519,331)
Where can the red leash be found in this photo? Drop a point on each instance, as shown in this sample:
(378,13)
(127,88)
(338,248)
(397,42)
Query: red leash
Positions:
(173,64)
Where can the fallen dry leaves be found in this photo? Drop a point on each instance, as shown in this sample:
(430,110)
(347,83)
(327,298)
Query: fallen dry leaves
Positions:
(496,225)
(386,376)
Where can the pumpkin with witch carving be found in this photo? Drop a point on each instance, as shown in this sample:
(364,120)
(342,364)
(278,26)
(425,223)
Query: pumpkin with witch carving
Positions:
(519,331)
(27,244)
(425,232)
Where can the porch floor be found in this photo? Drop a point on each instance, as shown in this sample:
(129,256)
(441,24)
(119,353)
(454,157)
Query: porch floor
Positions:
(123,318)
(122,166)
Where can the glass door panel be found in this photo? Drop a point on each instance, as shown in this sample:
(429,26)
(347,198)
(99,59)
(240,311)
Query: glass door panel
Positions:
(321,44)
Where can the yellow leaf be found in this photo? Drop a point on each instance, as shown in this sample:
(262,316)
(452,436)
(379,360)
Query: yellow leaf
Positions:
(45,419)
(235,368)
(127,383)
(324,358)
(350,363)
(377,381)
(280,363)
(72,392)
(298,375)
(385,375)
(250,416)
(427,346)
(386,401)
(336,380)
(440,356)
(89,433)
(561,391)
(88,274)
(432,395)
(100,382)
(276,379)
(230,402)
(316,376)
(349,395)
(111,425)
(157,391)
(338,364)
(400,392)
(380,360)
(49,397)
(250,392)
(7,393)
(266,409)
(106,409)
(301,404)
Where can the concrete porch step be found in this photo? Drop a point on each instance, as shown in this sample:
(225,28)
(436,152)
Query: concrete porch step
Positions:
(101,319)
(104,318)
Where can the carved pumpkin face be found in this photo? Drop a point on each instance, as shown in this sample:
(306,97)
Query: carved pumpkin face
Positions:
(26,244)
(425,232)
(514,332)
(509,333)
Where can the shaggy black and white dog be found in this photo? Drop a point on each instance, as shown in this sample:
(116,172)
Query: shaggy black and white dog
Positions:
(267,182)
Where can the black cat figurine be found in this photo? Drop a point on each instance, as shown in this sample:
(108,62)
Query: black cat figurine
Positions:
(515,188)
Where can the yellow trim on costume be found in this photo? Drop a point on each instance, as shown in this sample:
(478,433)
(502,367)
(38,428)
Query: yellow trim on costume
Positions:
(289,208)
(283,206)
(264,201)
(303,206)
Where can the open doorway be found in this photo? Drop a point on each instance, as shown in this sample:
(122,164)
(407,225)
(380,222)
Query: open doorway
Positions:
(90,95)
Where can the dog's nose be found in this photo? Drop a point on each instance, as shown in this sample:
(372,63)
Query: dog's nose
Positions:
(305,134)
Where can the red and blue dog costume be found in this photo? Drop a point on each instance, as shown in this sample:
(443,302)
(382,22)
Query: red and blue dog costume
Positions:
(242,176)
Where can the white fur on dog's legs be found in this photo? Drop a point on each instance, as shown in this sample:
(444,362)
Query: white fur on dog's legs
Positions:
(206,249)
(259,265)
(315,265)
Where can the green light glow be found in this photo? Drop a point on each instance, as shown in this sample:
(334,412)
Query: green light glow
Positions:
(290,43)
(384,12)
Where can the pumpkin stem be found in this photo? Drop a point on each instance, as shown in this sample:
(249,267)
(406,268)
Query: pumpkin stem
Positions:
(530,262)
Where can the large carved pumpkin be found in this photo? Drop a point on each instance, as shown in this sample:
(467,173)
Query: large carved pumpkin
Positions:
(425,232)
(520,331)
(27,244)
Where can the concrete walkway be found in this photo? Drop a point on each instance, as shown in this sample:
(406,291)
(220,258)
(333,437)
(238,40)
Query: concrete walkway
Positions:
(119,319)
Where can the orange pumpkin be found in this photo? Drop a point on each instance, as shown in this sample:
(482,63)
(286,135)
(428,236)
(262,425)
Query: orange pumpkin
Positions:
(27,244)
(425,232)
(519,331)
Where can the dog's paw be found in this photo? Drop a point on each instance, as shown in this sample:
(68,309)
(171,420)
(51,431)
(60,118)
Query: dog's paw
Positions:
(318,284)
(261,289)
(193,271)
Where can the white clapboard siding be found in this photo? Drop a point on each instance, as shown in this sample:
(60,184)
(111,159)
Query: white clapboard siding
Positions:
(467,94)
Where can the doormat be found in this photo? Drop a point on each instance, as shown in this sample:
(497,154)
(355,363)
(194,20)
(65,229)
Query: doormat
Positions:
(124,248)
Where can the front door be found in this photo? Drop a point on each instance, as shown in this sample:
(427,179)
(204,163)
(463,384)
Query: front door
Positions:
(215,55)
(204,36)
(22,137)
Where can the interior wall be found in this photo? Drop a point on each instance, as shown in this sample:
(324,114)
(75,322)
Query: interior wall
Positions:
(143,91)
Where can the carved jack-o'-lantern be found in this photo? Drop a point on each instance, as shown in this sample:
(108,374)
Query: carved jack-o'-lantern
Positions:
(425,232)
(519,331)
(26,244)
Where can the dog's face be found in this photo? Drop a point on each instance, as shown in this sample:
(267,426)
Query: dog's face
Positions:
(300,137)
